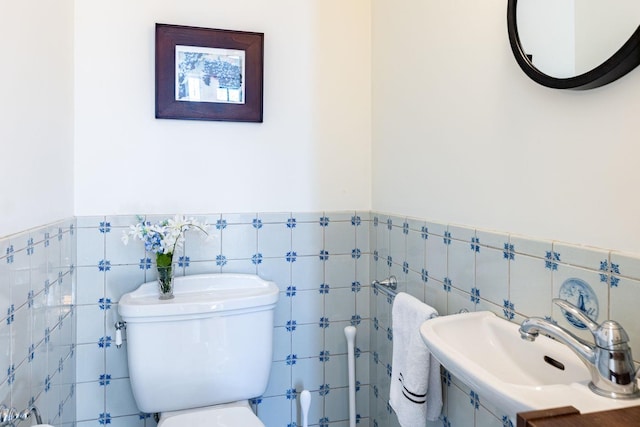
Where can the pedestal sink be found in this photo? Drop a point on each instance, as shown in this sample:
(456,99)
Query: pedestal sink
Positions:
(486,352)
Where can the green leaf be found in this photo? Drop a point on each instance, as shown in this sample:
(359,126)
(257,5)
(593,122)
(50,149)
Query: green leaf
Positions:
(164,260)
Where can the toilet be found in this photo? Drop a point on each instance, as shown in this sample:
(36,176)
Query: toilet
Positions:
(197,358)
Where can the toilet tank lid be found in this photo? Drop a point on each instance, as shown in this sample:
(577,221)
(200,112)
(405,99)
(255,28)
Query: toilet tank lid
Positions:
(200,294)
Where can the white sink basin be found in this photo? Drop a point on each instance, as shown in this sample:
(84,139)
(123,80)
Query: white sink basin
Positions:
(486,353)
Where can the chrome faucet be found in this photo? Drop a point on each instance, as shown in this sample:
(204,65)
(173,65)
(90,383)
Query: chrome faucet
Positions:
(609,361)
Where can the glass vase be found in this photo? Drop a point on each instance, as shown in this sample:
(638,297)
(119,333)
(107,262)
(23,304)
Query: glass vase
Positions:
(165,281)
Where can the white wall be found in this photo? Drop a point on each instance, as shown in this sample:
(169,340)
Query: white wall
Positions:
(313,151)
(462,135)
(36,113)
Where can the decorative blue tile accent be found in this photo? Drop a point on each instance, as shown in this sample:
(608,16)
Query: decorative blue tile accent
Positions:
(256,259)
(291,359)
(256,401)
(375,255)
(10,254)
(424,233)
(376,357)
(389,224)
(291,256)
(104,418)
(291,394)
(356,286)
(47,286)
(324,255)
(221,260)
(291,223)
(356,220)
(46,240)
(607,273)
(47,335)
(291,291)
(104,342)
(508,309)
(506,421)
(390,334)
(475,295)
(60,233)
(376,221)
(105,227)
(324,288)
(389,370)
(376,323)
(10,312)
(324,356)
(324,421)
(405,267)
(324,322)
(324,389)
(579,293)
(474,399)
(11,374)
(32,352)
(324,221)
(145,263)
(105,379)
(291,325)
(475,244)
(376,391)
(30,246)
(355,320)
(103,265)
(508,252)
(357,352)
(425,275)
(445,421)
(60,365)
(183,261)
(356,253)
(446,285)
(257,223)
(447,238)
(389,261)
(446,378)
(104,303)
(551,260)
(221,224)
(47,383)
(405,228)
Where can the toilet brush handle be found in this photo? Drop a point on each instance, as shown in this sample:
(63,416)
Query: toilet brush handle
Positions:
(305,402)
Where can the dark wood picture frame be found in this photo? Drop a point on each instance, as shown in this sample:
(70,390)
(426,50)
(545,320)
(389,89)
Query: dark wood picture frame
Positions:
(169,107)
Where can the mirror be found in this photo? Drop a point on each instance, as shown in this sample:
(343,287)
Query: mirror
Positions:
(569,44)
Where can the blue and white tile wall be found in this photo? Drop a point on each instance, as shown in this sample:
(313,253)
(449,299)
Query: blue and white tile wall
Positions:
(323,263)
(320,262)
(37,322)
(454,268)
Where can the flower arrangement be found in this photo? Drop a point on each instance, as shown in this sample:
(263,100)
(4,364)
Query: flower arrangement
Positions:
(163,239)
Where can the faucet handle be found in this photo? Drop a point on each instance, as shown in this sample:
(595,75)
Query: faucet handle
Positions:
(607,335)
(579,314)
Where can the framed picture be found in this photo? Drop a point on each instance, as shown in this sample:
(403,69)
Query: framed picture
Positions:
(208,74)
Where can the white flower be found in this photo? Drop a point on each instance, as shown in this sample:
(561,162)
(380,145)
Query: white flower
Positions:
(164,237)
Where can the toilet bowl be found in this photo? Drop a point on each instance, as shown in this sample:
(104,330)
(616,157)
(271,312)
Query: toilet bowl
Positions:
(236,414)
(198,358)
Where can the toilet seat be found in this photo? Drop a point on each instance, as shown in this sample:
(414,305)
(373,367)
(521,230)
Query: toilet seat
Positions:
(237,414)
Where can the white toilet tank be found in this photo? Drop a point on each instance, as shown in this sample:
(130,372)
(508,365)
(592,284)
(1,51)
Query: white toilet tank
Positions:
(211,344)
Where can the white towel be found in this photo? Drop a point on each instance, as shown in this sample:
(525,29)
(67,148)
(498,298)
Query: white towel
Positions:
(416,391)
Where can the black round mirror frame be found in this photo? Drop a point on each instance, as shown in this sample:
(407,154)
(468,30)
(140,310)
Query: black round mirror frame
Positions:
(623,61)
